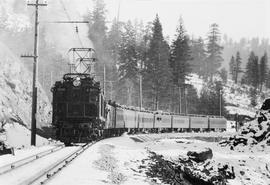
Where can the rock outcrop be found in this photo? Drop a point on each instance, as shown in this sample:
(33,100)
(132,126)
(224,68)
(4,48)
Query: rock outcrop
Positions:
(254,132)
(200,156)
(16,93)
(186,170)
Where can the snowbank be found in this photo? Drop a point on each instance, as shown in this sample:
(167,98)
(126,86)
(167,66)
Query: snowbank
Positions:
(19,136)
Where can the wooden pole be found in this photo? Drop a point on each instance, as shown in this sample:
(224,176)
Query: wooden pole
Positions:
(35,70)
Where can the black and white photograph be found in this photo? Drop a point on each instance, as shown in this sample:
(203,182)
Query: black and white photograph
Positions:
(134,92)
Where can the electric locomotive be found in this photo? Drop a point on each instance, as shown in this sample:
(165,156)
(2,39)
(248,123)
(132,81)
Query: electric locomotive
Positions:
(78,108)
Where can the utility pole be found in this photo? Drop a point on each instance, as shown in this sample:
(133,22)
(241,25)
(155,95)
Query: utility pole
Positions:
(35,69)
(104,80)
(220,101)
(186,93)
(140,91)
(180,101)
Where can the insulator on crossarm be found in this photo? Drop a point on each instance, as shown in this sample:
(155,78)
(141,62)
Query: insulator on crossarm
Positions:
(76,28)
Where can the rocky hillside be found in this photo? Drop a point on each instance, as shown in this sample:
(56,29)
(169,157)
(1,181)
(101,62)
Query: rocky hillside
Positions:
(16,92)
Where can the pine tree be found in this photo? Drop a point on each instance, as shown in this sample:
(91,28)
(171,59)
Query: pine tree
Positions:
(198,56)
(143,37)
(156,67)
(263,70)
(180,55)
(113,46)
(97,35)
(223,75)
(192,100)
(237,66)
(97,25)
(267,82)
(128,63)
(233,68)
(212,100)
(114,39)
(128,66)
(252,71)
(214,51)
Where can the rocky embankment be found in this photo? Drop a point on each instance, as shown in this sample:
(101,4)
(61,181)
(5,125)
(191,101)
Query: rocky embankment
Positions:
(197,168)
(256,132)
(16,93)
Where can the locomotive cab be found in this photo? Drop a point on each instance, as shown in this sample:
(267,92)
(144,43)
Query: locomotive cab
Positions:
(78,108)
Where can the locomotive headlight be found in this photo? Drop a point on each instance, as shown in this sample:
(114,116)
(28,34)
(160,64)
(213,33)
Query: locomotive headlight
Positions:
(77,82)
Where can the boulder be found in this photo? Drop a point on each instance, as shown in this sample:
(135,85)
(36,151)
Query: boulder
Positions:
(266,104)
(200,156)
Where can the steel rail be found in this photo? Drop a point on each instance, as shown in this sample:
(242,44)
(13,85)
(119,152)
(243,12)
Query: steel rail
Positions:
(45,175)
(14,165)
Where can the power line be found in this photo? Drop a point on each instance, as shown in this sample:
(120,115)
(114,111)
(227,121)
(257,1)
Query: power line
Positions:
(70,21)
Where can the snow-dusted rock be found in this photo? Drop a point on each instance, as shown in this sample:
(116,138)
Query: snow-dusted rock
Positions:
(254,132)
(201,155)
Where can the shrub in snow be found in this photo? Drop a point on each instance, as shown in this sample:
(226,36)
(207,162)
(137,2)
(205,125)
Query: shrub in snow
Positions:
(117,178)
(254,132)
(107,162)
(178,172)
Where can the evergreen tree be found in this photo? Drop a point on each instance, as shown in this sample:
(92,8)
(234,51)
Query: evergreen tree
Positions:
(252,71)
(114,39)
(214,51)
(224,75)
(113,42)
(128,54)
(237,66)
(128,63)
(212,100)
(233,68)
(198,56)
(263,70)
(143,40)
(97,24)
(180,55)
(192,100)
(156,67)
(253,97)
(267,82)
(97,35)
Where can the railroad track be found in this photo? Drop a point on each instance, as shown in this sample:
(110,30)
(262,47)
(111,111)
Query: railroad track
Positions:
(47,174)
(11,166)
(40,174)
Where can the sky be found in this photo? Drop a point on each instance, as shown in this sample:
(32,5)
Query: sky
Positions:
(236,18)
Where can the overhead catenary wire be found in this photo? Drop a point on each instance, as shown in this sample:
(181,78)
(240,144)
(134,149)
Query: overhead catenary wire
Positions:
(70,20)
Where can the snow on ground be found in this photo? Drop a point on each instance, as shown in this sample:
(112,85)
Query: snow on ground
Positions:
(23,153)
(240,111)
(119,160)
(19,175)
(18,136)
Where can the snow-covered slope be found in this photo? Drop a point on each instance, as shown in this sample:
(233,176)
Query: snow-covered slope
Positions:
(236,96)
(16,92)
